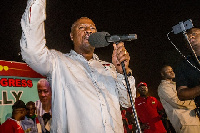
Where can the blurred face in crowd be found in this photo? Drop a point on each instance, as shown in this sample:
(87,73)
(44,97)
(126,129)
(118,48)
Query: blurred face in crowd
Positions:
(143,90)
(194,38)
(44,92)
(80,32)
(30,109)
(20,112)
(168,73)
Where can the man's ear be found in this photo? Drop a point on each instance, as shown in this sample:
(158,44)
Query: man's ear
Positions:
(71,36)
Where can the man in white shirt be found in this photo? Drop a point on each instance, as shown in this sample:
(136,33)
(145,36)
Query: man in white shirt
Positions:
(180,113)
(43,105)
(86,92)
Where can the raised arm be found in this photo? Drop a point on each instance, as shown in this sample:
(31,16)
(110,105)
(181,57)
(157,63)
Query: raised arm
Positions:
(33,49)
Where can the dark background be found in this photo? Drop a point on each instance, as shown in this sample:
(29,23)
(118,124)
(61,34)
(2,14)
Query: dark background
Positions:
(151,20)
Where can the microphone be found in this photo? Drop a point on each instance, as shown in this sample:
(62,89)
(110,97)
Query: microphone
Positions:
(102,39)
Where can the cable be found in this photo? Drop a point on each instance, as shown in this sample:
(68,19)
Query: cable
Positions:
(182,53)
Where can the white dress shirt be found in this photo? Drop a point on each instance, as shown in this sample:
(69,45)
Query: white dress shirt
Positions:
(85,94)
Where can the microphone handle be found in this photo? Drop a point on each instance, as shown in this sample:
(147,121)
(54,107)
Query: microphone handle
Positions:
(131,99)
(138,130)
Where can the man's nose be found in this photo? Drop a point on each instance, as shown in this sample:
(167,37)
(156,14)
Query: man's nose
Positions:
(32,111)
(191,37)
(88,30)
(43,94)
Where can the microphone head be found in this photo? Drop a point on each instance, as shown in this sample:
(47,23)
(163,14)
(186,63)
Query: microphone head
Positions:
(98,39)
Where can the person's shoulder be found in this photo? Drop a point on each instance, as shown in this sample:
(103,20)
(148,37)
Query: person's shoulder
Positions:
(5,123)
(138,99)
(6,126)
(162,82)
(59,54)
(55,51)
(165,83)
(37,102)
(27,121)
(8,122)
(151,97)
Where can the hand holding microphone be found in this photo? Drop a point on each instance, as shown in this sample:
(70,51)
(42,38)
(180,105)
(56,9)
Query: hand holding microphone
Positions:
(120,58)
(120,54)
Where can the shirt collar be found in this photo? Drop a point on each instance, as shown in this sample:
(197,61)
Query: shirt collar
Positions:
(167,81)
(73,53)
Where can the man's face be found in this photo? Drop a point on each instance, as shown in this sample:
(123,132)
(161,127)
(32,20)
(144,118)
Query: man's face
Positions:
(143,90)
(30,110)
(21,112)
(44,93)
(80,33)
(194,38)
(168,73)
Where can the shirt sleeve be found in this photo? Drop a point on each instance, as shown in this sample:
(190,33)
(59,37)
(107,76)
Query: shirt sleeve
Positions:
(168,94)
(122,88)
(159,105)
(33,49)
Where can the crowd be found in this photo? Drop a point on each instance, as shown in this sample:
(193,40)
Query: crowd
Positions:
(32,117)
(170,115)
(86,94)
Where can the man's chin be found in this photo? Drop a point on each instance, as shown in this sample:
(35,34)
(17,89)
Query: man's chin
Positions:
(30,115)
(44,101)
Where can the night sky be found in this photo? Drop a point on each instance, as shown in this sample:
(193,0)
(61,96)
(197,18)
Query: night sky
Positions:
(150,20)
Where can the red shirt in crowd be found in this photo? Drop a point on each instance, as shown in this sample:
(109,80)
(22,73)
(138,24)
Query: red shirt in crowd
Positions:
(147,111)
(11,126)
